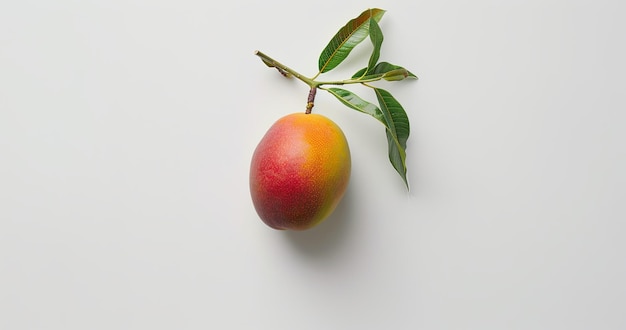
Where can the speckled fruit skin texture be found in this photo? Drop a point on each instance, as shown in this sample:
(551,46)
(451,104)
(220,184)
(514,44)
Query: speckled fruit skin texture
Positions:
(299,171)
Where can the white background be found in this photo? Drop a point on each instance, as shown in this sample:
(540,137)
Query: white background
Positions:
(127,127)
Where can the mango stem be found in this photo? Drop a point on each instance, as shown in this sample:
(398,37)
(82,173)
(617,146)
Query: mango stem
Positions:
(310,100)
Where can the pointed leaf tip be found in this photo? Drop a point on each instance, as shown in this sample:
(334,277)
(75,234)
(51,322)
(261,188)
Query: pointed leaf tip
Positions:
(385,71)
(391,115)
(398,130)
(350,35)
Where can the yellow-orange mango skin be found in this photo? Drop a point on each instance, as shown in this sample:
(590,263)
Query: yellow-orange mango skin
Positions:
(299,171)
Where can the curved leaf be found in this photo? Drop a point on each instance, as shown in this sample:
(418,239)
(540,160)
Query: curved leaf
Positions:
(355,102)
(391,115)
(398,130)
(350,35)
(360,74)
(396,75)
(386,71)
(376,35)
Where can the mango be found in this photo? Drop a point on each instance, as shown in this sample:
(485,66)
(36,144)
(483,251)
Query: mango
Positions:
(299,171)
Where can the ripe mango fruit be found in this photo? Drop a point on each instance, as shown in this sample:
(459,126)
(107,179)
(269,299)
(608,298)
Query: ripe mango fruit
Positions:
(299,171)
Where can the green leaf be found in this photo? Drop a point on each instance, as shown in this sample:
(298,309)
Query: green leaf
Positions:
(391,115)
(355,102)
(376,35)
(396,75)
(386,71)
(398,130)
(350,35)
(360,74)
